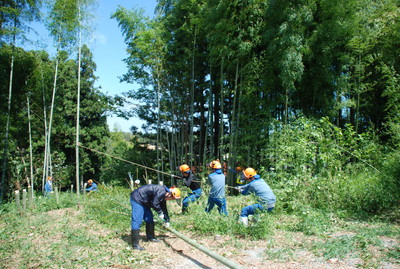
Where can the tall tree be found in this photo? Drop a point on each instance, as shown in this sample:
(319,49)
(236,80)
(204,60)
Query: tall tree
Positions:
(84,9)
(62,24)
(145,66)
(13,15)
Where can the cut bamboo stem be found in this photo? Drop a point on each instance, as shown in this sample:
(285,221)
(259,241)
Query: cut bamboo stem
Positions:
(200,247)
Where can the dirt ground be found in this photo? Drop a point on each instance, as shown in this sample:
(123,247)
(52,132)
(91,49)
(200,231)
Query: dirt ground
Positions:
(173,252)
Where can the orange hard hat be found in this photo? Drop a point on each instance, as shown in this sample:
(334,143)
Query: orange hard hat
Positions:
(215,164)
(176,193)
(249,172)
(184,168)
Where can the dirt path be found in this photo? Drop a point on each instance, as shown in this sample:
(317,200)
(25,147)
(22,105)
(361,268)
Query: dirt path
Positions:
(176,253)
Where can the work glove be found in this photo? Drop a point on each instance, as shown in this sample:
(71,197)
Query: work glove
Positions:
(239,188)
(161,216)
(167,224)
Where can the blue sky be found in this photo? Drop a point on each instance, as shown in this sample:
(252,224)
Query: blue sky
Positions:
(109,51)
(108,48)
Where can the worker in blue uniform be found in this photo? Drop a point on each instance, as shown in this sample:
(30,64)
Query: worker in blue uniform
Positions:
(91,186)
(257,186)
(48,187)
(217,192)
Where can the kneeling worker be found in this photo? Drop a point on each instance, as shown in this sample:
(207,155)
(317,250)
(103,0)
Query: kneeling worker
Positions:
(257,186)
(143,199)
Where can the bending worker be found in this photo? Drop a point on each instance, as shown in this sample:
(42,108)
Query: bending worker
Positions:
(258,187)
(190,182)
(145,198)
(91,186)
(217,192)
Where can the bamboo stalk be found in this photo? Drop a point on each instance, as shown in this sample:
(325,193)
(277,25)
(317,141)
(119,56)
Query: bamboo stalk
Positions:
(30,197)
(17,199)
(200,247)
(24,199)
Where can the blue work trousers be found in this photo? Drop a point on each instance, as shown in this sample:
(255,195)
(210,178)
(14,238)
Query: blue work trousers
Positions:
(140,213)
(191,197)
(253,209)
(219,202)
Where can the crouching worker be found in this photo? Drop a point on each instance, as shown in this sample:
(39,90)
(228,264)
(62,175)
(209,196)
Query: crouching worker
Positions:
(91,186)
(145,198)
(257,186)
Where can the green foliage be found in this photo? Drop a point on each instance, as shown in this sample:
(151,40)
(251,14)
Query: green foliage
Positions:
(110,207)
(15,14)
(63,22)
(394,253)
(34,73)
(313,222)
(349,245)
(63,237)
(314,164)
(214,223)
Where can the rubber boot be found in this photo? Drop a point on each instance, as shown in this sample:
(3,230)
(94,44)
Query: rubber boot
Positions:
(244,221)
(135,239)
(150,233)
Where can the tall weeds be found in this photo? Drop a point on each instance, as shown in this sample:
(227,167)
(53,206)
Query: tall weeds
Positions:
(312,163)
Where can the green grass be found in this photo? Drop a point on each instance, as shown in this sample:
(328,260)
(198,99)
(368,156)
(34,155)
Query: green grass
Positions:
(87,233)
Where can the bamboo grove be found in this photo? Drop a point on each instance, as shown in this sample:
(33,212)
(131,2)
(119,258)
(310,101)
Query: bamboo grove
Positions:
(219,77)
(297,89)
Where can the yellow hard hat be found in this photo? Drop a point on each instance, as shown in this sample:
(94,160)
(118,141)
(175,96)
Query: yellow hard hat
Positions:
(184,168)
(90,181)
(215,164)
(176,193)
(249,172)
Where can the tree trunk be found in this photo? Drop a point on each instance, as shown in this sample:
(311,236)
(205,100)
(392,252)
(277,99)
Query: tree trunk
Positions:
(30,146)
(47,164)
(220,112)
(45,133)
(5,154)
(209,123)
(158,129)
(191,154)
(78,105)
(232,150)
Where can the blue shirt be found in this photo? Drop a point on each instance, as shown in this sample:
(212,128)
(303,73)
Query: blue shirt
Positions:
(48,187)
(261,189)
(92,187)
(217,182)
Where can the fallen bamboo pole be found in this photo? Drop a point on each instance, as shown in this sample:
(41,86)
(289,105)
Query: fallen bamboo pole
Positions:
(211,253)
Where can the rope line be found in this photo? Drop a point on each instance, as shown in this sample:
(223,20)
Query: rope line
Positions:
(118,158)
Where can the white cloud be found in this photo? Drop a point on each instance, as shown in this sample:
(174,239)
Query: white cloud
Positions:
(98,38)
